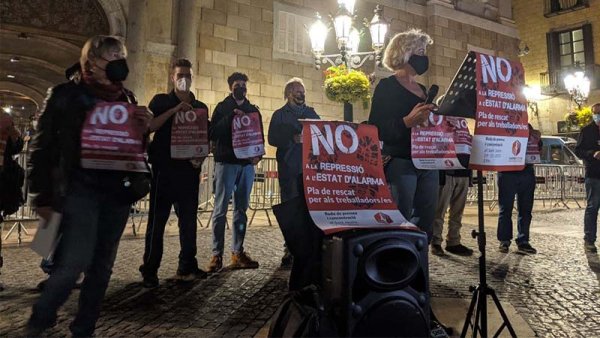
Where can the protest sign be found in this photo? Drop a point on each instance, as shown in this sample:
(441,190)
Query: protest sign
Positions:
(189,134)
(247,136)
(436,145)
(112,139)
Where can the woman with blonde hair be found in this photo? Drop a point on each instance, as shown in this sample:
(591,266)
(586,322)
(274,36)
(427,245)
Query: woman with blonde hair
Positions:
(91,205)
(399,105)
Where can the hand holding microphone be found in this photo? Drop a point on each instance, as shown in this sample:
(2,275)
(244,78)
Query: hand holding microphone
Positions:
(420,113)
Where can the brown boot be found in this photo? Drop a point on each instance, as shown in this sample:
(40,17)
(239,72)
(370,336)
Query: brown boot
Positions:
(242,261)
(216,264)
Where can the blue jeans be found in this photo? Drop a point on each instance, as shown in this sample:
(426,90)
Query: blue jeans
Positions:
(521,184)
(236,179)
(415,192)
(590,220)
(92,225)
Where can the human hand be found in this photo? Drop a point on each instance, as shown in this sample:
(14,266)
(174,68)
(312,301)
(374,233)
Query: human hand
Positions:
(182,106)
(142,114)
(238,112)
(255,160)
(418,115)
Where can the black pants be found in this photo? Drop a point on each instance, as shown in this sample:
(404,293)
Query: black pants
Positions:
(176,187)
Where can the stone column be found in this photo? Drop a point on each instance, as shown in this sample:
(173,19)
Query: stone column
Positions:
(135,42)
(506,13)
(187,31)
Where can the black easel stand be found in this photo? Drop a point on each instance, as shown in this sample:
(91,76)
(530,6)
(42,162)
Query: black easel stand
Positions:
(481,291)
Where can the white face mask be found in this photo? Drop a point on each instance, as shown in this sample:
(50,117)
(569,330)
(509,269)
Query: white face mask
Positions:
(183,84)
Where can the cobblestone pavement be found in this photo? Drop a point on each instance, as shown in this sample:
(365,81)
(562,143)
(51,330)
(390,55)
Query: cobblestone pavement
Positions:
(556,291)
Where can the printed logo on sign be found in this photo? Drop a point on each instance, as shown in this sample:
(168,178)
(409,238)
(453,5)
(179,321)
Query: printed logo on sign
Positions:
(449,163)
(516,147)
(182,117)
(382,218)
(242,121)
(327,140)
(116,114)
(493,69)
(435,119)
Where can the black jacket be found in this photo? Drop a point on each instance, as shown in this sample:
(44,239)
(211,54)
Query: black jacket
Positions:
(284,125)
(391,103)
(220,129)
(56,145)
(587,144)
(160,149)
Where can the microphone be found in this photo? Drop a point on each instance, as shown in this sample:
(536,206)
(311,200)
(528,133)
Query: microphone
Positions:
(432,93)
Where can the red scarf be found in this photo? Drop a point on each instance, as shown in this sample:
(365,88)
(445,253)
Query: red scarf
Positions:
(111,93)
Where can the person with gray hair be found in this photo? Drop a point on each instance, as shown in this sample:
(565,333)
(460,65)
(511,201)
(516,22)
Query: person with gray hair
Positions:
(399,105)
(285,134)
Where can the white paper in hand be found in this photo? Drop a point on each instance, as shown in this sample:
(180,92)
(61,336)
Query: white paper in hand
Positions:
(46,240)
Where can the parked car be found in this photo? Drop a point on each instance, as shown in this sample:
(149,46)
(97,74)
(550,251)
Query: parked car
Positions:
(557,150)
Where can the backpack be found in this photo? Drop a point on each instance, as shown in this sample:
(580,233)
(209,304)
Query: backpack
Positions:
(302,314)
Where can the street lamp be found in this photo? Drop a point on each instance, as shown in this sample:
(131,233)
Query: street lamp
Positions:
(533,94)
(348,37)
(578,86)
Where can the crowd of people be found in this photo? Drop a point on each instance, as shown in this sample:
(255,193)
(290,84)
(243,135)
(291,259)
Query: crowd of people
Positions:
(94,204)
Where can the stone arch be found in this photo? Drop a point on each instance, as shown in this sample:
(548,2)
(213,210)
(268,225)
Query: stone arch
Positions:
(36,96)
(116,17)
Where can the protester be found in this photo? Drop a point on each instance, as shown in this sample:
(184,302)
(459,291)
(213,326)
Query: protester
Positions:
(454,186)
(588,149)
(285,133)
(94,204)
(522,184)
(398,105)
(11,174)
(175,182)
(232,175)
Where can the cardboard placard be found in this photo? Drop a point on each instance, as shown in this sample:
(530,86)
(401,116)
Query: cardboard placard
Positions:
(247,137)
(112,139)
(189,134)
(344,183)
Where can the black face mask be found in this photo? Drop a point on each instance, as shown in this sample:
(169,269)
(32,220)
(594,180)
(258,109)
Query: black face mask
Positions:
(299,99)
(239,93)
(117,70)
(420,63)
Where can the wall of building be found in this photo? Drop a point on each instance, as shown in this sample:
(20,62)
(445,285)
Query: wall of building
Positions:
(533,26)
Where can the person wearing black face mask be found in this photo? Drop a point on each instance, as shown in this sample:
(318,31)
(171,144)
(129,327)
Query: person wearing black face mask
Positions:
(92,203)
(232,175)
(285,134)
(399,105)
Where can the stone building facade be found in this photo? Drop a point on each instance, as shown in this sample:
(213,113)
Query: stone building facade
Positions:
(572,29)
(267,40)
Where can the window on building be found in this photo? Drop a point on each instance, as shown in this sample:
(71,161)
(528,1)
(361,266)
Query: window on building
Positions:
(555,7)
(567,50)
(291,40)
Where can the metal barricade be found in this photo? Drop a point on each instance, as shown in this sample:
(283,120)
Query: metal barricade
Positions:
(490,189)
(549,184)
(265,190)
(573,184)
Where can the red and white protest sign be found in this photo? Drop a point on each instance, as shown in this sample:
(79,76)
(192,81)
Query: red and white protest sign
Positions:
(533,154)
(344,183)
(462,136)
(112,139)
(434,146)
(501,130)
(247,136)
(189,134)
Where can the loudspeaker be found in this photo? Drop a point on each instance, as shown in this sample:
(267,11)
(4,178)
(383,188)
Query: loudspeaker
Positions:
(376,283)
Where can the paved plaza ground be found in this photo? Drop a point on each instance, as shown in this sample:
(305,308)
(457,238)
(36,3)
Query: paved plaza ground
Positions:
(556,292)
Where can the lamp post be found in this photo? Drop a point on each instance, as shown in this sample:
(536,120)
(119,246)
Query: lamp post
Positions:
(578,86)
(348,38)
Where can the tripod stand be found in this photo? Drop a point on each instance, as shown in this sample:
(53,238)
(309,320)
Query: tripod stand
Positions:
(481,291)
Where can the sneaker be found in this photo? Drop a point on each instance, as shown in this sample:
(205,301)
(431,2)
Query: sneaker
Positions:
(459,249)
(191,275)
(503,248)
(437,250)
(242,261)
(216,264)
(150,281)
(526,248)
(590,247)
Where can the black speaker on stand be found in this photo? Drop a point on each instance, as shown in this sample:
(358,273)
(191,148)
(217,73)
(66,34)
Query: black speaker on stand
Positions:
(376,282)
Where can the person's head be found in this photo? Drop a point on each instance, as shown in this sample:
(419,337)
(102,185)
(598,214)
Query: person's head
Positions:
(407,50)
(596,113)
(294,91)
(237,85)
(181,75)
(103,57)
